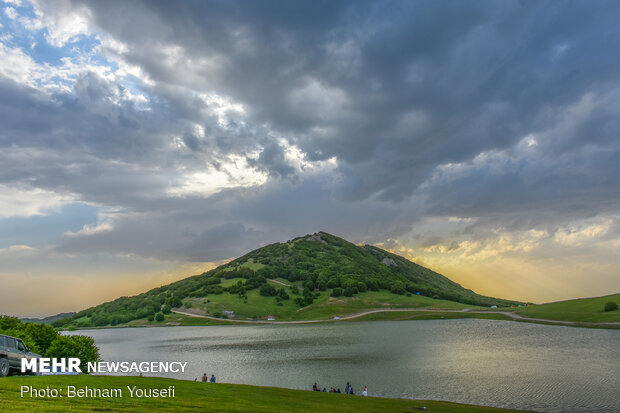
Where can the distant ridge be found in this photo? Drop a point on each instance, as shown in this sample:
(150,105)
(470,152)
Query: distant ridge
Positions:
(49,319)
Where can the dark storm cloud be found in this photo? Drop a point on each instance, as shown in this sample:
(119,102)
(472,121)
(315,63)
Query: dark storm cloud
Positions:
(234,221)
(392,91)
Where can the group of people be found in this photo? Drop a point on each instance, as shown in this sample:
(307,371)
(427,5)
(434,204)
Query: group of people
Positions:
(347,390)
(206,379)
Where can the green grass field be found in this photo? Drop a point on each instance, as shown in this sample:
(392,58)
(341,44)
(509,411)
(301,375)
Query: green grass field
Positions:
(324,307)
(204,397)
(580,310)
(427,315)
(586,310)
(327,307)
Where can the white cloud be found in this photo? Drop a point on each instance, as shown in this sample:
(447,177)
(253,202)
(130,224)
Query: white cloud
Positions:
(64,21)
(11,13)
(235,172)
(18,66)
(17,251)
(91,230)
(28,202)
(577,235)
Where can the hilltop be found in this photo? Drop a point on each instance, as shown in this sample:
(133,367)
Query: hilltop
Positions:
(314,276)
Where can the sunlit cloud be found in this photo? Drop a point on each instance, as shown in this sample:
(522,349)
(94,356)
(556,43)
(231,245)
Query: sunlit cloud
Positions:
(27,202)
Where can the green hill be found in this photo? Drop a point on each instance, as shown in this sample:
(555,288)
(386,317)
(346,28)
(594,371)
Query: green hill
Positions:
(591,310)
(310,277)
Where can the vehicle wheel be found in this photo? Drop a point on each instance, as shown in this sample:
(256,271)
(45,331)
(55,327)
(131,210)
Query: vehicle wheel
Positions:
(4,367)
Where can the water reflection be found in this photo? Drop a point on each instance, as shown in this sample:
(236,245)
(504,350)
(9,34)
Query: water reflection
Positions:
(504,364)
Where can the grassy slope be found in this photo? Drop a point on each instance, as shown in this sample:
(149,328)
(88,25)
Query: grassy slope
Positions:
(191,396)
(427,315)
(583,310)
(324,307)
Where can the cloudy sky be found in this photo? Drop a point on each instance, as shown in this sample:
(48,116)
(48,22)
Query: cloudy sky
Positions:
(142,142)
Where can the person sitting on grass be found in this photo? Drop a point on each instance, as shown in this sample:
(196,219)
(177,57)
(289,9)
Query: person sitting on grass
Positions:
(338,391)
(365,392)
(213,378)
(351,390)
(314,387)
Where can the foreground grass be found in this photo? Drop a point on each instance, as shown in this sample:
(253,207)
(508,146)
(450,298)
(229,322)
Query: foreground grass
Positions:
(588,310)
(205,397)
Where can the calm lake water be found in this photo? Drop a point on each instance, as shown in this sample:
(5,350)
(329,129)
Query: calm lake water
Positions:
(487,362)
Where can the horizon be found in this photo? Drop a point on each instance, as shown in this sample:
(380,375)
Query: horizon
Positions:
(227,261)
(145,142)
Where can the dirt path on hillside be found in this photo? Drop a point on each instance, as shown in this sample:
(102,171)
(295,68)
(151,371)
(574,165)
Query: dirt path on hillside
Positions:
(278,282)
(510,314)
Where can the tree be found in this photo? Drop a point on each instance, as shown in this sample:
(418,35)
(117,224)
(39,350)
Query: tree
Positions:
(268,290)
(159,316)
(397,288)
(337,292)
(611,306)
(175,302)
(81,347)
(166,309)
(282,294)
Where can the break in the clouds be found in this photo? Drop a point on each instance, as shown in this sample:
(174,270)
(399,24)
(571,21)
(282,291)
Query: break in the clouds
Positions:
(480,138)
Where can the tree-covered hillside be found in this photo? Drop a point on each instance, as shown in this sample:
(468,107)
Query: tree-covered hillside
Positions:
(293,275)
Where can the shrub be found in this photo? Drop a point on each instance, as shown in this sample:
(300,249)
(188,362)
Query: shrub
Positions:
(159,316)
(282,294)
(268,290)
(81,347)
(611,306)
(166,309)
(397,288)
(337,292)
(333,282)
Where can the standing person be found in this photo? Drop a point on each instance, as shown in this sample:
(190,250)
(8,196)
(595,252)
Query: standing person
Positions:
(365,392)
(213,378)
(314,387)
(205,378)
(346,389)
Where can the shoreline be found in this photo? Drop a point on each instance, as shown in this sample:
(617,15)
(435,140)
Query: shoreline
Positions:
(417,313)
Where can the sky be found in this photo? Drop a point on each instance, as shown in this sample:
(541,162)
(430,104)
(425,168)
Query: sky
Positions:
(143,142)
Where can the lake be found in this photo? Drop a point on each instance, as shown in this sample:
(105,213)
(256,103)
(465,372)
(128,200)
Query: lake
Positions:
(486,362)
